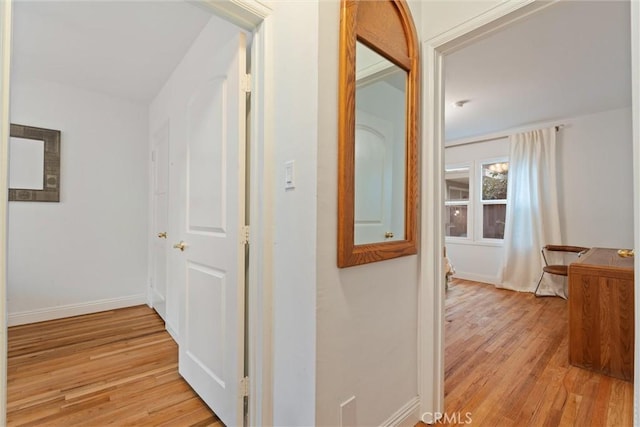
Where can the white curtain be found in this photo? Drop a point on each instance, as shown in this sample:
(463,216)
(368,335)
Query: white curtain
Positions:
(532,211)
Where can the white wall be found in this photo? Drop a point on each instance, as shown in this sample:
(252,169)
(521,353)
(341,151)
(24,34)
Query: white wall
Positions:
(595,191)
(366,315)
(89,251)
(294,36)
(595,168)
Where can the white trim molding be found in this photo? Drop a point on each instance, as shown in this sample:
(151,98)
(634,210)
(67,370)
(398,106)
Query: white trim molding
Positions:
(261,184)
(5,67)
(68,310)
(482,278)
(247,14)
(635,114)
(407,416)
(431,294)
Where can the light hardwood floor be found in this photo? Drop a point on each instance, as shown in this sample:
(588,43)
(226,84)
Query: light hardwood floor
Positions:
(506,364)
(116,367)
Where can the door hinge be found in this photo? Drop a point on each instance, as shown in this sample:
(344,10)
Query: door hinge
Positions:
(244,387)
(246,83)
(244,235)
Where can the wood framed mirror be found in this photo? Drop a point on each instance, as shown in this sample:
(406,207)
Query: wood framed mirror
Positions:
(377,132)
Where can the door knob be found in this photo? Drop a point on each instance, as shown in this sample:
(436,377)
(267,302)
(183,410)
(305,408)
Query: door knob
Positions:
(388,235)
(162,235)
(181,245)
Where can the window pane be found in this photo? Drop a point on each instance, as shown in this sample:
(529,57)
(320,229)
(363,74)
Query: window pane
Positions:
(457,185)
(456,221)
(494,181)
(493,221)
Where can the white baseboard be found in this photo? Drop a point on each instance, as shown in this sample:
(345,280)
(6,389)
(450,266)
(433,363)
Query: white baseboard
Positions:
(50,313)
(406,416)
(172,332)
(493,280)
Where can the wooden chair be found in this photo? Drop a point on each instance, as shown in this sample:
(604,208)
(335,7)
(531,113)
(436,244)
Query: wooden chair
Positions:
(557,269)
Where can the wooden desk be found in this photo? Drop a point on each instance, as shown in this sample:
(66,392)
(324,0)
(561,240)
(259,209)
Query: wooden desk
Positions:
(601,310)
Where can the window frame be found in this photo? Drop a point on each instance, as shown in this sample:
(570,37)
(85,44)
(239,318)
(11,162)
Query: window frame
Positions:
(475,204)
(460,167)
(479,210)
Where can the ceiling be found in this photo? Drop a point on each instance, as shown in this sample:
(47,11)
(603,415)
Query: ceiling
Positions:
(570,59)
(126,49)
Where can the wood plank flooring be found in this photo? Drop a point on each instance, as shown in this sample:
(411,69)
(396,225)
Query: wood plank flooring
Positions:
(116,367)
(506,364)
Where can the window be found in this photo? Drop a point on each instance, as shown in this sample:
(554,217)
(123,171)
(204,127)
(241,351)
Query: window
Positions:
(457,202)
(494,199)
(476,200)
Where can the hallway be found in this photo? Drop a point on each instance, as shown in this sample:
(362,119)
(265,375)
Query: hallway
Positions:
(118,366)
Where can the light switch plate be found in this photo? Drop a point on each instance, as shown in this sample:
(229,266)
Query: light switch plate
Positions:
(289,175)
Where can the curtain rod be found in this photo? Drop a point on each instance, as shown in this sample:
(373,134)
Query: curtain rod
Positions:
(491,137)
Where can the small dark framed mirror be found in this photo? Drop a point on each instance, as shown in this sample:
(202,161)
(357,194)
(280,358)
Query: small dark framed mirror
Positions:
(34,164)
(378,132)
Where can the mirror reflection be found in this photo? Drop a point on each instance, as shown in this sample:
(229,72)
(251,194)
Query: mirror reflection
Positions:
(380,148)
(26,163)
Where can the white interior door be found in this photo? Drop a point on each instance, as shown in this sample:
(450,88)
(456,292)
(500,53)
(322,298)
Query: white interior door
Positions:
(373,178)
(210,251)
(160,168)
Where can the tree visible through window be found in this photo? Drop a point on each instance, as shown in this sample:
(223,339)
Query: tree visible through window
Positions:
(494,199)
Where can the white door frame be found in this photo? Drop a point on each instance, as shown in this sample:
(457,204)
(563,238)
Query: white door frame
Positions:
(431,299)
(5,45)
(252,15)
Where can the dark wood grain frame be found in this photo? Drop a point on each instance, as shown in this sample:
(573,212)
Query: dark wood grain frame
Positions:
(387,28)
(51,171)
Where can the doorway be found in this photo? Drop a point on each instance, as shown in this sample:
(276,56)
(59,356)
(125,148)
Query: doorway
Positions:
(435,57)
(251,20)
(541,73)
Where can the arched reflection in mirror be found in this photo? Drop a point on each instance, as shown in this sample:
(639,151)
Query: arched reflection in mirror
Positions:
(380,139)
